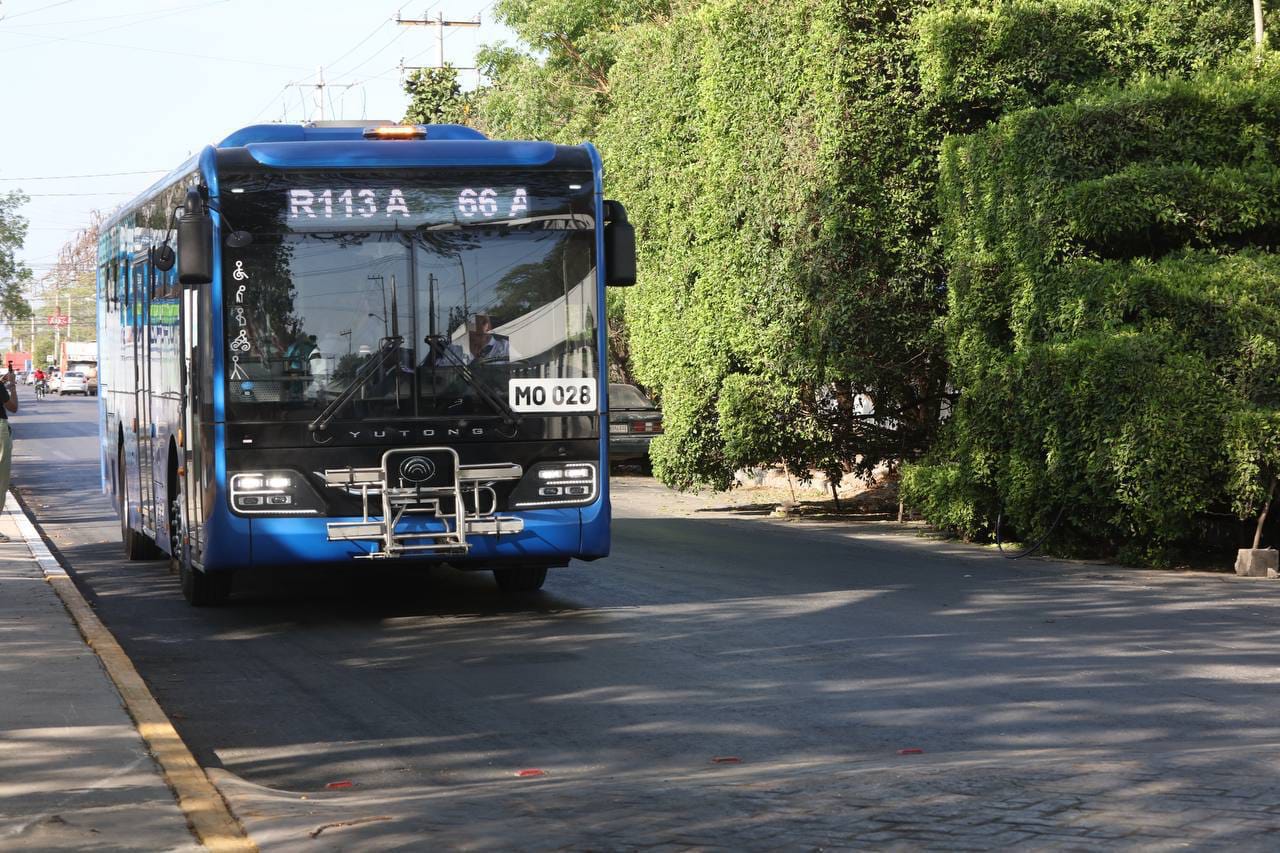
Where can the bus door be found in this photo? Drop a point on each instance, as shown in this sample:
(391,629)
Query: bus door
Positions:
(141,295)
(189,449)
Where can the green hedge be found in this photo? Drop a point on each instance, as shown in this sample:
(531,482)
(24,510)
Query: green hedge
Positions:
(981,60)
(1114,313)
(1121,174)
(780,168)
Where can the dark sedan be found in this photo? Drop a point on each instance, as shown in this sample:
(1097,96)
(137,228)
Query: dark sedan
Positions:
(633,422)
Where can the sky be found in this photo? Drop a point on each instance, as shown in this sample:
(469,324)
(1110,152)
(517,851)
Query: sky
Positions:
(119,92)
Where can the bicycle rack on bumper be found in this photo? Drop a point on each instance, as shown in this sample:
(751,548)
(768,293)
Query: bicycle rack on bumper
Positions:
(423,481)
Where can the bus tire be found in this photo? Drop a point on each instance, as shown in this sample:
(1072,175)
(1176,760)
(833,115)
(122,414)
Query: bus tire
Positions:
(136,546)
(519,580)
(203,589)
(200,589)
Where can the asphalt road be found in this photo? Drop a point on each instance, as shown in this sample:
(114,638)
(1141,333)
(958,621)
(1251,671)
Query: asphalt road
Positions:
(1054,703)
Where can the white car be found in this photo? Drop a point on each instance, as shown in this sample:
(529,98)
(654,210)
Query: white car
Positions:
(73,382)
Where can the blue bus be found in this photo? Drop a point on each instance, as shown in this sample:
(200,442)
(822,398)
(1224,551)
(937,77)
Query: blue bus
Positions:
(337,341)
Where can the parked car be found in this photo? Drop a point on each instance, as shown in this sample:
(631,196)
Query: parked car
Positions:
(73,382)
(54,378)
(633,422)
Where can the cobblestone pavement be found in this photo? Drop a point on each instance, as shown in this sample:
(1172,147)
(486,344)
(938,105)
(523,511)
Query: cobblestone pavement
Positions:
(1059,705)
(1215,799)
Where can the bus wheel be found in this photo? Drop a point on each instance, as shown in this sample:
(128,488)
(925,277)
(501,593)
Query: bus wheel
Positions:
(136,546)
(200,589)
(203,589)
(521,579)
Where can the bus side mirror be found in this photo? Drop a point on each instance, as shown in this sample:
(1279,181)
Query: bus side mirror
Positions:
(162,257)
(195,241)
(619,247)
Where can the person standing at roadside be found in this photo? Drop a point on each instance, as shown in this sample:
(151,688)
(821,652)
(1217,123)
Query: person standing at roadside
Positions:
(8,404)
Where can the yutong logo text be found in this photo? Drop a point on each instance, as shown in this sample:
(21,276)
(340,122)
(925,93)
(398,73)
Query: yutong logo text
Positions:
(447,432)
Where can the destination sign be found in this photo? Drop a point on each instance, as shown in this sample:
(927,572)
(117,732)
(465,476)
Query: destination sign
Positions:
(407,205)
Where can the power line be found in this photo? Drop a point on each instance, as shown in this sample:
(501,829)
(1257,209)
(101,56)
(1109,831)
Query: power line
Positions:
(269,103)
(350,71)
(137,49)
(358,44)
(34,11)
(320,85)
(67,195)
(373,56)
(439,23)
(94,175)
(144,14)
(156,16)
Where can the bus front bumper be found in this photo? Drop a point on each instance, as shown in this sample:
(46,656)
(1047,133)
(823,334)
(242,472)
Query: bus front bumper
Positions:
(548,536)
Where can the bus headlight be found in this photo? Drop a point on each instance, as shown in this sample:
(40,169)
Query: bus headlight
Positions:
(551,484)
(272,492)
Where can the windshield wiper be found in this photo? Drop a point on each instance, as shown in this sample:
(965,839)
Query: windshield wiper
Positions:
(390,346)
(483,390)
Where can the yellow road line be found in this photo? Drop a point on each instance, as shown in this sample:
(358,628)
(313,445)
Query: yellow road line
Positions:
(206,811)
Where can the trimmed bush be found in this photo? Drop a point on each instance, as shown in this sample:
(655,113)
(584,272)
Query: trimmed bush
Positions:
(979,61)
(1115,308)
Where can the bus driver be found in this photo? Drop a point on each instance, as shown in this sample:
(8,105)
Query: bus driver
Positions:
(483,346)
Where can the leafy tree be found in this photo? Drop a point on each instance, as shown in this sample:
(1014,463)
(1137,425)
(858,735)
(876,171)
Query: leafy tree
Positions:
(15,276)
(70,285)
(436,97)
(556,85)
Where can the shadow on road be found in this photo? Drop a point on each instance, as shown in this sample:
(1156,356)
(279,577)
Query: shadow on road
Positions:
(811,656)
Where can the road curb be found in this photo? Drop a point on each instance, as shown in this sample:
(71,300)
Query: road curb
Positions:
(205,810)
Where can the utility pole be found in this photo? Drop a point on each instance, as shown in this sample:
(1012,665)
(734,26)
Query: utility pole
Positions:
(439,23)
(320,86)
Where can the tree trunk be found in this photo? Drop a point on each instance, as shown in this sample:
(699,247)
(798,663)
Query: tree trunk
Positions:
(1257,23)
(1262,519)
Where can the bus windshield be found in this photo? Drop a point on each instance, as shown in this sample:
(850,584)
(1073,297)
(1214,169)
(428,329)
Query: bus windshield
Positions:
(406,298)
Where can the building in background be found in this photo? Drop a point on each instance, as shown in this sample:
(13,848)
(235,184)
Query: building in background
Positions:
(21,361)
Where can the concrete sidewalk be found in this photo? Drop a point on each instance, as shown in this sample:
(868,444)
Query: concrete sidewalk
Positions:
(74,772)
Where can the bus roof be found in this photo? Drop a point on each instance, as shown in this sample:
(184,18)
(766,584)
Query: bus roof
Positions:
(335,131)
(343,144)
